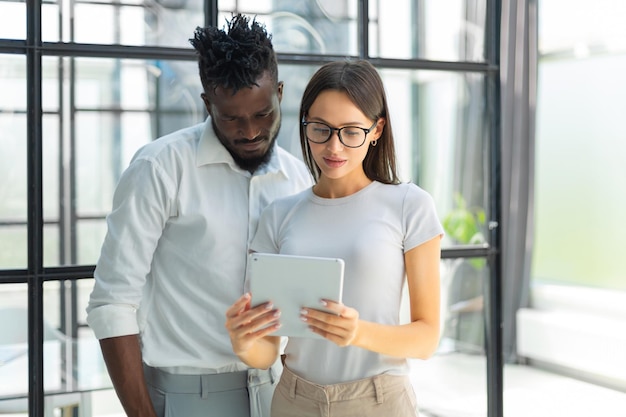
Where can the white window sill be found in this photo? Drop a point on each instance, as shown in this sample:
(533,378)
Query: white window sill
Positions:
(580,332)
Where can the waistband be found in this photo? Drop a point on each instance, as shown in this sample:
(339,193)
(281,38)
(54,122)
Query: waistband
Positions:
(374,387)
(206,383)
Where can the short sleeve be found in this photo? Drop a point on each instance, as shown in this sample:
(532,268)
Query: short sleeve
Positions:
(420,218)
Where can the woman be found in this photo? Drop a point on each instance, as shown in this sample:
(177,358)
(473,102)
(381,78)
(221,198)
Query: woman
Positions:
(384,230)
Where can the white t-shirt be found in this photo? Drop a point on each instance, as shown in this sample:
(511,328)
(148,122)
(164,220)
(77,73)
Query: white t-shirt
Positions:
(174,257)
(370,230)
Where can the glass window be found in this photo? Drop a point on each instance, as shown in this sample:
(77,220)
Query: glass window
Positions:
(13,162)
(580,149)
(460,361)
(13,79)
(13,249)
(439,128)
(577,274)
(295,78)
(324,27)
(70,363)
(428,29)
(14,343)
(51,167)
(108,108)
(13,20)
(13,167)
(162,23)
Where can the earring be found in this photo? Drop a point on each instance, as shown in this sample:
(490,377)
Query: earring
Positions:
(374,142)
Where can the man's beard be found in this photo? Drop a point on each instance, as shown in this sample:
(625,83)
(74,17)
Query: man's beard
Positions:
(250,164)
(254,163)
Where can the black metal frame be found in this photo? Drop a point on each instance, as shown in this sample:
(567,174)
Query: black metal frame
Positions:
(495,362)
(36,274)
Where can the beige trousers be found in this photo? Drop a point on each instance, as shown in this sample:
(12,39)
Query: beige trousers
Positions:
(379,396)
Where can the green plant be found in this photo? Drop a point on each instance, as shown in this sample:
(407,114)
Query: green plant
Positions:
(464,225)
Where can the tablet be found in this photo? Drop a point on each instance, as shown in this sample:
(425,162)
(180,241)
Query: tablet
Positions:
(292,282)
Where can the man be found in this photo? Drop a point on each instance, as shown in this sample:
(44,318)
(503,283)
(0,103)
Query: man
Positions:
(174,257)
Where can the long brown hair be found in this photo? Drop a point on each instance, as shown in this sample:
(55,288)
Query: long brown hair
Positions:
(361,82)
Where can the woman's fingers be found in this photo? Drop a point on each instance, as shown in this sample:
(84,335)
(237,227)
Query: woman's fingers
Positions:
(241,319)
(245,325)
(339,326)
(238,306)
(254,319)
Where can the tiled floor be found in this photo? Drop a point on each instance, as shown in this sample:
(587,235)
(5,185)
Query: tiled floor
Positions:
(454,385)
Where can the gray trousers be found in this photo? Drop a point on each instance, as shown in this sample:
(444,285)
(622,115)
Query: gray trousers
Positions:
(233,394)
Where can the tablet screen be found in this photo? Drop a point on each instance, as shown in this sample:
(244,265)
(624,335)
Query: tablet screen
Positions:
(292,282)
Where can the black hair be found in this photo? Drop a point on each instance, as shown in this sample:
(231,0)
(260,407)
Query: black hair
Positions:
(235,57)
(360,80)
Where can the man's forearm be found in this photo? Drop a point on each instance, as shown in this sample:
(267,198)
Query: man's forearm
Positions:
(123,359)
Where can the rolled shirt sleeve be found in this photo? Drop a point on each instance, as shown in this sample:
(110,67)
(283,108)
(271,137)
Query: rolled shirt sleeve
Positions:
(141,207)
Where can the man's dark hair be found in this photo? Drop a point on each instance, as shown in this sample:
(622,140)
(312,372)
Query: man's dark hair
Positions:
(235,58)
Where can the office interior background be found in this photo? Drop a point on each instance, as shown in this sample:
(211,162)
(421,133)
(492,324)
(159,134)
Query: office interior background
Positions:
(510,113)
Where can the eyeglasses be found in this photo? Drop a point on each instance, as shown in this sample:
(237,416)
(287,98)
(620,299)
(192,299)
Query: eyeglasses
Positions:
(349,136)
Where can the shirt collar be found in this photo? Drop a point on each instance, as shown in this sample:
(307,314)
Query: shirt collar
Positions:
(211,151)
